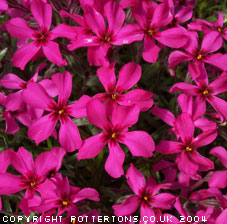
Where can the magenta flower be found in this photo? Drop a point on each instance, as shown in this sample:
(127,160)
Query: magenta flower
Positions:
(190,106)
(206,92)
(206,26)
(145,196)
(200,55)
(94,34)
(36,96)
(62,196)
(33,173)
(189,160)
(129,75)
(153,19)
(42,38)
(115,129)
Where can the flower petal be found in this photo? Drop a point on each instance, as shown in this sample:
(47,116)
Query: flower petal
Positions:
(178,56)
(10,184)
(211,42)
(184,87)
(115,160)
(24,54)
(168,147)
(219,85)
(96,112)
(115,16)
(18,28)
(41,129)
(221,153)
(69,136)
(150,50)
(140,143)
(128,207)
(91,147)
(63,83)
(129,75)
(163,201)
(42,12)
(164,114)
(218,179)
(36,96)
(86,193)
(135,179)
(185,127)
(53,54)
(78,109)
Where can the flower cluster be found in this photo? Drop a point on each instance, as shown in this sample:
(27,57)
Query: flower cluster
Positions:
(83,100)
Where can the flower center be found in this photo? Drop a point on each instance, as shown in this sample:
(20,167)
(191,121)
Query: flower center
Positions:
(33,183)
(219,29)
(61,111)
(199,57)
(188,149)
(107,38)
(205,92)
(113,135)
(114,96)
(145,198)
(150,32)
(65,203)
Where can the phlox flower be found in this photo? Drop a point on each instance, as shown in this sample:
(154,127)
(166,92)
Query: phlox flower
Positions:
(190,106)
(115,127)
(145,195)
(129,75)
(42,38)
(36,96)
(151,21)
(188,160)
(206,26)
(3,6)
(34,173)
(200,55)
(62,196)
(99,37)
(204,91)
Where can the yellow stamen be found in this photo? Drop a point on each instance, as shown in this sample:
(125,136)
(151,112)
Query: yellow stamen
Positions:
(107,39)
(219,29)
(199,57)
(42,37)
(65,203)
(145,198)
(150,32)
(74,221)
(188,149)
(33,183)
(113,135)
(205,92)
(61,112)
(114,96)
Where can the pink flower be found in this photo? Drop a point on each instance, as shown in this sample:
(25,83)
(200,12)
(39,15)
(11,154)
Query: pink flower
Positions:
(42,38)
(36,96)
(188,105)
(115,127)
(153,19)
(200,55)
(94,34)
(145,196)
(204,91)
(62,196)
(189,160)
(33,173)
(206,26)
(129,75)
